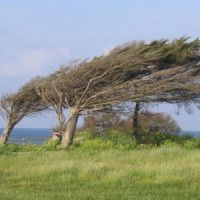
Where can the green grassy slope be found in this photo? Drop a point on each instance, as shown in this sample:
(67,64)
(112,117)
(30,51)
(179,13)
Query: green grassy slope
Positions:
(157,174)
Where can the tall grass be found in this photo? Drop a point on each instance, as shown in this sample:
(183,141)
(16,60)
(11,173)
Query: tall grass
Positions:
(165,173)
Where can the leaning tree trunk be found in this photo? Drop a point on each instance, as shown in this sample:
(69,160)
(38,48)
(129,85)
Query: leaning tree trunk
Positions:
(6,132)
(61,118)
(136,133)
(57,135)
(68,135)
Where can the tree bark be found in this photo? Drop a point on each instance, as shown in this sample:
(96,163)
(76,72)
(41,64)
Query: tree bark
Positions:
(6,132)
(61,118)
(68,135)
(136,133)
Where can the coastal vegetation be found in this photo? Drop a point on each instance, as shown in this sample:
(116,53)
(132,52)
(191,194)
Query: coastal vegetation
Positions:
(122,151)
(111,165)
(112,168)
(99,100)
(133,73)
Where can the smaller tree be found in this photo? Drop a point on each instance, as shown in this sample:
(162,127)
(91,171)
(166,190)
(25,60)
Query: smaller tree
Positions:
(148,122)
(99,122)
(23,103)
(157,122)
(53,98)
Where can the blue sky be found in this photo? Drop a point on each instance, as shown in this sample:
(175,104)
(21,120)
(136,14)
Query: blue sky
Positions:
(36,36)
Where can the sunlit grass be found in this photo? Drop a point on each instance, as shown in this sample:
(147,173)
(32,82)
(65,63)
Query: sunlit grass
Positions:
(162,173)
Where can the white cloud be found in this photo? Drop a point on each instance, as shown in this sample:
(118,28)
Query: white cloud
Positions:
(31,62)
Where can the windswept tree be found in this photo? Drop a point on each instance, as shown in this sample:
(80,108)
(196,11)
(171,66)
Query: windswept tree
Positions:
(47,90)
(23,103)
(138,72)
(179,87)
(50,90)
(158,71)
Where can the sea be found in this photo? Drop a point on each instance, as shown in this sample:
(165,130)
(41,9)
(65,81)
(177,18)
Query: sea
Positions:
(40,135)
(29,135)
(193,133)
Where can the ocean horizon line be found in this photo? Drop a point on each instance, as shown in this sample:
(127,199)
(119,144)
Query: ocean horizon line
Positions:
(50,129)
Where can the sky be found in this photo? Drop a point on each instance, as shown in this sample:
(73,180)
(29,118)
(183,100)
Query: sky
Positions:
(36,37)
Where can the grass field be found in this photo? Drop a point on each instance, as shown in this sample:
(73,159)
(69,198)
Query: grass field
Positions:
(157,174)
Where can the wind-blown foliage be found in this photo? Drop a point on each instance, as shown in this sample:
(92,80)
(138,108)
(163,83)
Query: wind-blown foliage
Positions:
(160,71)
(23,103)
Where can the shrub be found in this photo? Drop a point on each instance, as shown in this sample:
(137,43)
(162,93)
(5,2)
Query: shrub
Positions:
(112,140)
(148,122)
(50,145)
(158,138)
(157,122)
(169,143)
(191,144)
(99,122)
(119,138)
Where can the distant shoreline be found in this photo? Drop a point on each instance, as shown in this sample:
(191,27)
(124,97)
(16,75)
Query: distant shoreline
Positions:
(46,132)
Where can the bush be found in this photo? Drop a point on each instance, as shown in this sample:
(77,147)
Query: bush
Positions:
(158,138)
(169,143)
(191,144)
(101,123)
(157,122)
(119,138)
(112,140)
(50,145)
(115,139)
